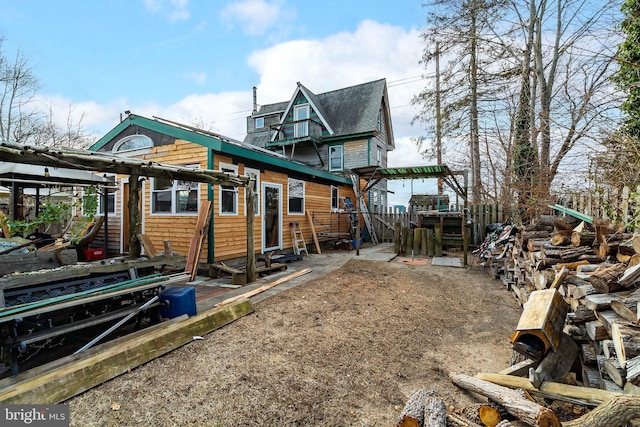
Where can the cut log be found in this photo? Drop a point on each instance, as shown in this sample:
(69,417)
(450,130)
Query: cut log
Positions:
(636,243)
(435,413)
(587,354)
(605,279)
(626,340)
(533,235)
(630,276)
(582,314)
(600,302)
(521,408)
(582,291)
(626,309)
(633,371)
(543,278)
(572,254)
(487,414)
(559,277)
(596,330)
(561,225)
(618,411)
(617,373)
(571,265)
(413,413)
(561,239)
(535,244)
(584,238)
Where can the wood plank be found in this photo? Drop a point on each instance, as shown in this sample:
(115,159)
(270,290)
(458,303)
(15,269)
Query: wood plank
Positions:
(87,372)
(263,288)
(313,233)
(552,390)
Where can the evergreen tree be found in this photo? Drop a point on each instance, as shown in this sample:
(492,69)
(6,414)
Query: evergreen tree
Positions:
(628,76)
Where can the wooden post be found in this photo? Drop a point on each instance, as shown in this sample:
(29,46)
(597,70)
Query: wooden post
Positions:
(249,192)
(438,239)
(466,234)
(408,241)
(135,248)
(397,237)
(417,232)
(431,242)
(423,241)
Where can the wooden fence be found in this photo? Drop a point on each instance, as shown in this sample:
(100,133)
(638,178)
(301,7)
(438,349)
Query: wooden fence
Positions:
(478,217)
(617,205)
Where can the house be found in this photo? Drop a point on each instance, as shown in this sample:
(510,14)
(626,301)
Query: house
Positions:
(285,190)
(334,131)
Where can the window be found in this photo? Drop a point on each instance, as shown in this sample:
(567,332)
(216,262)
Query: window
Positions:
(379,124)
(335,157)
(228,193)
(259,122)
(110,189)
(334,198)
(256,201)
(378,156)
(132,142)
(174,197)
(300,117)
(296,196)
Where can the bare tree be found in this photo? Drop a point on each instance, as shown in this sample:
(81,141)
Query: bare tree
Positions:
(23,118)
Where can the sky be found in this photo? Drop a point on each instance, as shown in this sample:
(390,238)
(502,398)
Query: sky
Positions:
(196,61)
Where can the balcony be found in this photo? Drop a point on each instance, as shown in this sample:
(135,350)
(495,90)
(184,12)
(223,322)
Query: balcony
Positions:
(295,132)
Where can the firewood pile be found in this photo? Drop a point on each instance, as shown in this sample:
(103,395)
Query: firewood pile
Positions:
(578,338)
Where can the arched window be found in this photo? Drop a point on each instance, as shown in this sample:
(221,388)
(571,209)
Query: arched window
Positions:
(132,142)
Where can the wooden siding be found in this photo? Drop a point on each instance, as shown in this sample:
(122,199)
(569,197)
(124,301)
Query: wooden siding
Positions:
(230,230)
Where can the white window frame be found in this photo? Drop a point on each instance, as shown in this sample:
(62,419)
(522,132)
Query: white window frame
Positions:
(256,203)
(331,168)
(378,156)
(258,122)
(174,190)
(112,193)
(301,129)
(223,189)
(296,181)
(336,199)
(117,148)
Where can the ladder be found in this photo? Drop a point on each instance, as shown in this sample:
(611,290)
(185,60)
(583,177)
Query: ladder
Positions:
(364,210)
(299,246)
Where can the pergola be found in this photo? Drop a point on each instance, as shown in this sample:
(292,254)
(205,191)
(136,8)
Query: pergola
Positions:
(374,174)
(71,159)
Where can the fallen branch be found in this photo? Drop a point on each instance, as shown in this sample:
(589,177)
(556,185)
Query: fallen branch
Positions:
(521,408)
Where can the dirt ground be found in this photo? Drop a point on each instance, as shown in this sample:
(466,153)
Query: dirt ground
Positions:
(344,349)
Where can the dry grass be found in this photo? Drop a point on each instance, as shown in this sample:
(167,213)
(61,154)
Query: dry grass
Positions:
(345,349)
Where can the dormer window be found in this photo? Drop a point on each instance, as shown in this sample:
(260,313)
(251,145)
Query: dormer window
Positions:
(259,122)
(132,142)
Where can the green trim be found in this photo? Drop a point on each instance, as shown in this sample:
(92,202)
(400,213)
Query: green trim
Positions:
(579,215)
(347,138)
(218,145)
(211,253)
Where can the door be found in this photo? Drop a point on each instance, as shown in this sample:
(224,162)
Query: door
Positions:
(271,217)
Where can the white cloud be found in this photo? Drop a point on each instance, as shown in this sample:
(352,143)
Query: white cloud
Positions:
(257,16)
(372,52)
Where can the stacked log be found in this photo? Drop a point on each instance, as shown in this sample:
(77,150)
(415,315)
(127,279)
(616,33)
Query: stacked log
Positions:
(600,289)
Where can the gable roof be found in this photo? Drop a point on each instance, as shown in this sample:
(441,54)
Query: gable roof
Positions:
(348,111)
(218,144)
